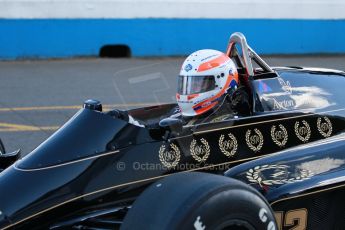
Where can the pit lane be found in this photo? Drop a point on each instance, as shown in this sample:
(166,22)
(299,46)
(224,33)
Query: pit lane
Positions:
(37,97)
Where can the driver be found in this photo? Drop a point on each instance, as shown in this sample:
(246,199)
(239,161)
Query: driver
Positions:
(208,89)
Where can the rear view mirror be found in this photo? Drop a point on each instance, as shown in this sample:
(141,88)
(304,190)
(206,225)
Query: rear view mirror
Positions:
(172,125)
(7,159)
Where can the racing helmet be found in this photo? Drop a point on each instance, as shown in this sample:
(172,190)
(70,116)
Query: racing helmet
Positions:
(205,76)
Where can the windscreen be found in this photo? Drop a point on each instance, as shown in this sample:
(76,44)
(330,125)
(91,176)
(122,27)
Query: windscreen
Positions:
(86,134)
(188,85)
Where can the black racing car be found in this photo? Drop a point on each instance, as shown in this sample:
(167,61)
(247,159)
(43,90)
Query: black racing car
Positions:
(283,167)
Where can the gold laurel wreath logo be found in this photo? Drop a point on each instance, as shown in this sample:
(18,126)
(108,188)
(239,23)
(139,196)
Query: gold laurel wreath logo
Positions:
(299,135)
(197,150)
(224,149)
(255,175)
(329,126)
(261,140)
(283,142)
(174,151)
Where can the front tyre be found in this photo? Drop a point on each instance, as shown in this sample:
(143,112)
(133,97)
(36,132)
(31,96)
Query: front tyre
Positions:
(200,201)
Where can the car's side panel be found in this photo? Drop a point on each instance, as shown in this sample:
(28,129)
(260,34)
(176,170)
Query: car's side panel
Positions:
(230,143)
(304,185)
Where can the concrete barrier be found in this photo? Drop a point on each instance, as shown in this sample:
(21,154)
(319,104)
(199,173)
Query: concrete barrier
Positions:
(57,28)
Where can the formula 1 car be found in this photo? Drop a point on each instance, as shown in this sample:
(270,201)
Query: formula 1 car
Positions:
(283,167)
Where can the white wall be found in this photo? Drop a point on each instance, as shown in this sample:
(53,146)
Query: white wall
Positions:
(301,9)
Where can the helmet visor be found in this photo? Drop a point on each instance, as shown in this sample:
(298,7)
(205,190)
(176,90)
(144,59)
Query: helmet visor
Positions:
(188,85)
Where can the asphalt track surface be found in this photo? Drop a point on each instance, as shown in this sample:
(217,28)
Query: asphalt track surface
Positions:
(37,97)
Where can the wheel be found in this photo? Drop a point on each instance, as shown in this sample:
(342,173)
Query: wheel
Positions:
(2,148)
(200,201)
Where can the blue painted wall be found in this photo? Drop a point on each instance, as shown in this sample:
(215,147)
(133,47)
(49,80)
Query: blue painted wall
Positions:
(42,38)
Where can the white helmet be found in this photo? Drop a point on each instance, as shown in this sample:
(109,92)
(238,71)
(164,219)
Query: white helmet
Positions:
(205,77)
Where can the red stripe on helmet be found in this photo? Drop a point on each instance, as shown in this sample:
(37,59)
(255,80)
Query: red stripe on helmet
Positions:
(190,97)
(213,63)
(202,110)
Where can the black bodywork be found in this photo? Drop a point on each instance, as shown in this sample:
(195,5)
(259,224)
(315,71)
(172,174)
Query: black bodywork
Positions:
(291,149)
